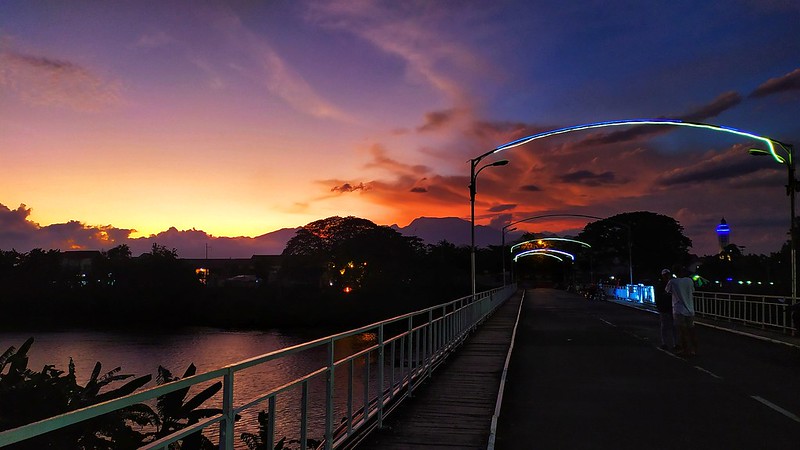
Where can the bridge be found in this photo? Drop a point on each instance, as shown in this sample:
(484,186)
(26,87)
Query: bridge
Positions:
(538,368)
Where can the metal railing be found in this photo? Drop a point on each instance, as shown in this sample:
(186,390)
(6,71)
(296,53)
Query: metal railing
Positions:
(360,387)
(764,311)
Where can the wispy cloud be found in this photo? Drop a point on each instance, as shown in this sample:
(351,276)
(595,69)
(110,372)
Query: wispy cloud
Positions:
(410,32)
(47,81)
(722,103)
(155,39)
(277,75)
(347,187)
(785,83)
(724,165)
(589,178)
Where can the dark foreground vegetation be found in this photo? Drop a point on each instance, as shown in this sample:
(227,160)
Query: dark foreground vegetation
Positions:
(27,396)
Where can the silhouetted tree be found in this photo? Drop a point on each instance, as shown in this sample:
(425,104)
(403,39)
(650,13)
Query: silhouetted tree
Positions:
(28,395)
(657,241)
(350,252)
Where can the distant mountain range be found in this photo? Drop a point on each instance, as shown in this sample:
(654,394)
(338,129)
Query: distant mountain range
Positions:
(433,230)
(198,244)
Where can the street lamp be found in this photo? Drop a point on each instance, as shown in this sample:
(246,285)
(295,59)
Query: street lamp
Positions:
(787,159)
(473,175)
(505,230)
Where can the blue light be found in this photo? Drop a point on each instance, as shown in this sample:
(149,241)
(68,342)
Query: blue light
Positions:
(673,122)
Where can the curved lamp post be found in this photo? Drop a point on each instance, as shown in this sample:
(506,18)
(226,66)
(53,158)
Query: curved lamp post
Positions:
(472,190)
(786,157)
(503,232)
(781,152)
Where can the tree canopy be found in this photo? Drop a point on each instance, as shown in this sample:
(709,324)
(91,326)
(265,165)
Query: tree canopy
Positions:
(349,253)
(656,241)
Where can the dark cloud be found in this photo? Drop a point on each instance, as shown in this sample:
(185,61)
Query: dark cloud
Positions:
(49,81)
(420,190)
(726,165)
(530,188)
(437,120)
(716,107)
(589,178)
(381,161)
(43,63)
(505,207)
(19,233)
(719,105)
(347,187)
(788,82)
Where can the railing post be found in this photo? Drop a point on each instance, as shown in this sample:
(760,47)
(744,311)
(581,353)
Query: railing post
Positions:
(329,384)
(304,416)
(350,397)
(271,422)
(366,388)
(430,342)
(380,375)
(226,427)
(410,355)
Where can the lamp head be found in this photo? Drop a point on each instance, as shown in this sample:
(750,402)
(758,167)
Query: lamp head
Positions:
(502,162)
(759,152)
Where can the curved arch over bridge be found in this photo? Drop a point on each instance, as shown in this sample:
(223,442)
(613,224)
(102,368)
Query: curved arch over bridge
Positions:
(785,157)
(546,252)
(551,239)
(771,144)
(543,216)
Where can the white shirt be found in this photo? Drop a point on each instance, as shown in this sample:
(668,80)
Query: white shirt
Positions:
(682,290)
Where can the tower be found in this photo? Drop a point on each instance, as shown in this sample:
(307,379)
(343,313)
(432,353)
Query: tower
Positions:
(723,234)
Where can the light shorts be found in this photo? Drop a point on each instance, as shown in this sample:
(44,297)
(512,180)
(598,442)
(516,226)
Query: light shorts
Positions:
(684,321)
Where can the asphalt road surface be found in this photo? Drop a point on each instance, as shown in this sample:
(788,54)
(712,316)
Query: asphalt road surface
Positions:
(589,375)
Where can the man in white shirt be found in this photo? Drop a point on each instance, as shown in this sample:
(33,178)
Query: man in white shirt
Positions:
(682,290)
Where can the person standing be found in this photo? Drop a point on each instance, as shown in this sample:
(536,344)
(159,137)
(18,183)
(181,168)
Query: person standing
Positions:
(664,307)
(682,290)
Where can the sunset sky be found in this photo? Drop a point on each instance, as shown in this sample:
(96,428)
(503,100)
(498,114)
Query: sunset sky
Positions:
(237,118)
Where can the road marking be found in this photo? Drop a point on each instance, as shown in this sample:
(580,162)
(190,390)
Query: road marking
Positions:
(776,408)
(708,372)
(606,322)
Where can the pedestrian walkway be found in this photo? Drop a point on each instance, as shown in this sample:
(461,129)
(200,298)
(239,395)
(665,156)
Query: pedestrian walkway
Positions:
(455,407)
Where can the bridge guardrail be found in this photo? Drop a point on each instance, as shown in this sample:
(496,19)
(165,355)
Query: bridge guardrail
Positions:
(406,349)
(770,312)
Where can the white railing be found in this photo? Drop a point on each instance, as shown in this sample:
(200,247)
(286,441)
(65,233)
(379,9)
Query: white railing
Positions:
(764,311)
(360,387)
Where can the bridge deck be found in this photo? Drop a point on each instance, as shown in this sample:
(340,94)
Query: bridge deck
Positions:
(454,409)
(590,375)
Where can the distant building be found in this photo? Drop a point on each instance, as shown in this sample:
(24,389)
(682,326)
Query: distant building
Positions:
(723,235)
(79,261)
(246,272)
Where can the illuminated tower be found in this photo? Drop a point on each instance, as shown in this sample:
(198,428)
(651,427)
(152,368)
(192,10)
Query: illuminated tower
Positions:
(723,234)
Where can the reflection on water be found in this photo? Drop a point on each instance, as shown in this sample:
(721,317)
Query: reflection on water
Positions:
(141,352)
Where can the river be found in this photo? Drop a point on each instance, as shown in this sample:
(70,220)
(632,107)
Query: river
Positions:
(141,352)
